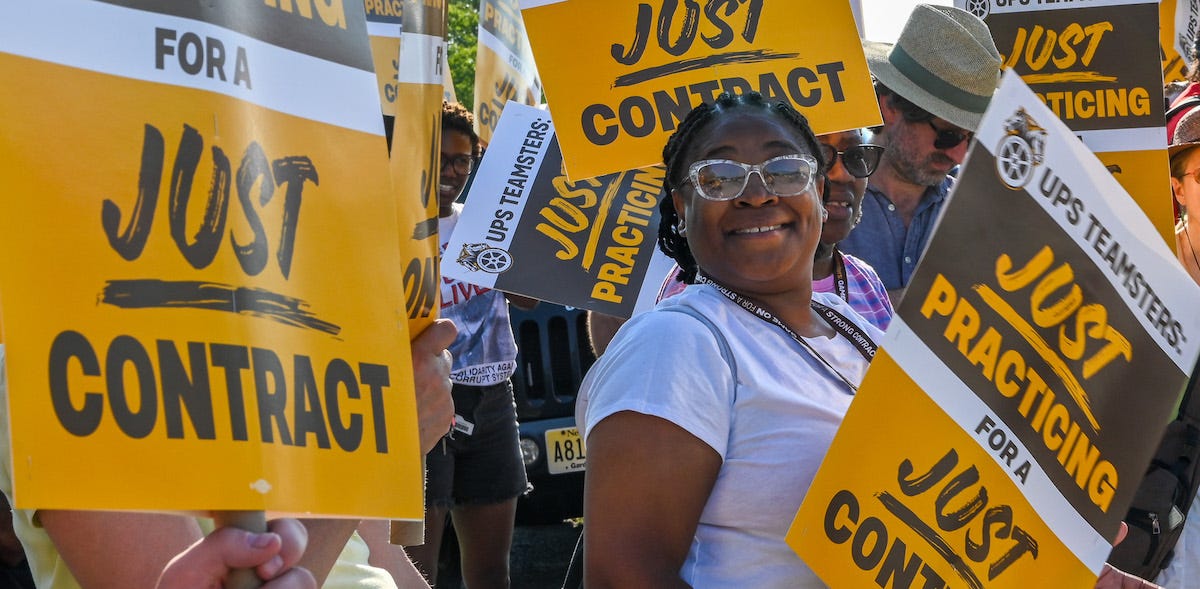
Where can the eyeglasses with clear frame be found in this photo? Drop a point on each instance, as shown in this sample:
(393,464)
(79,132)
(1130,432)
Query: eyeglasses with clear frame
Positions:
(721,180)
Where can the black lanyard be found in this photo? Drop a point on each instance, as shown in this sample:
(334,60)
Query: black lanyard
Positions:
(861,341)
(839,276)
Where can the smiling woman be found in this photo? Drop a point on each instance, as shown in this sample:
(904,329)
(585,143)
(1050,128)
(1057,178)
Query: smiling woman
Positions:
(849,163)
(739,382)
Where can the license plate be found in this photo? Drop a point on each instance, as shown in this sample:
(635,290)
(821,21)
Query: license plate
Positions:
(564,449)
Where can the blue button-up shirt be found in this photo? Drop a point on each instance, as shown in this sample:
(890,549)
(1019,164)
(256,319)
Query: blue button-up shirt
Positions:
(882,240)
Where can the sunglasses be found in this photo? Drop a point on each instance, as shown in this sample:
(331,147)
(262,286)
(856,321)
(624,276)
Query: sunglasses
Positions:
(461,164)
(859,161)
(947,138)
(786,175)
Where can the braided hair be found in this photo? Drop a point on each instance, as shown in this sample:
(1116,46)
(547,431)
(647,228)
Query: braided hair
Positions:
(456,117)
(677,149)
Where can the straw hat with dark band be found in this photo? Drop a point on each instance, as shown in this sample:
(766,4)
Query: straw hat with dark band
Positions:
(944,62)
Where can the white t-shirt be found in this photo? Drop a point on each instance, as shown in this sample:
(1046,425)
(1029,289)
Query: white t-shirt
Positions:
(485,352)
(771,428)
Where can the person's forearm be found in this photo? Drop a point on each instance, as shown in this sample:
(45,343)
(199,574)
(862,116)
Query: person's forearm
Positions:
(390,557)
(112,549)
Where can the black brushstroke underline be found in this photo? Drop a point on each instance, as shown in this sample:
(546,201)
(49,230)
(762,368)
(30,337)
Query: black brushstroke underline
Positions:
(699,63)
(187,294)
(939,544)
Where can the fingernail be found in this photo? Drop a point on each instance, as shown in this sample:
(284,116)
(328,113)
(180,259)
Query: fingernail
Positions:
(260,540)
(272,567)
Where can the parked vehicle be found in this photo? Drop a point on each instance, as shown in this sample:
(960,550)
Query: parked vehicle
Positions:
(553,356)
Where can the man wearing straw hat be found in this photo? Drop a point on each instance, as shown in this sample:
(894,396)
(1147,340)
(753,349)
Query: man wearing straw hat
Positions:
(933,86)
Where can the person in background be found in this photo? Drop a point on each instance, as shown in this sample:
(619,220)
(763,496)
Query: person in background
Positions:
(476,473)
(849,163)
(1191,90)
(1184,568)
(933,87)
(1185,187)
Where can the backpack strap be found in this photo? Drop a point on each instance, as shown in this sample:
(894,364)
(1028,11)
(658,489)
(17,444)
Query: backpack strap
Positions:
(722,343)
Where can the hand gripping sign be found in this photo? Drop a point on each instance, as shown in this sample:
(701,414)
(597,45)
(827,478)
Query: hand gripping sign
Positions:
(202,308)
(620,84)
(1040,365)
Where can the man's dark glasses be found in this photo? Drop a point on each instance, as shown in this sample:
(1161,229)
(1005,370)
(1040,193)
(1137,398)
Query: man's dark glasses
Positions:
(947,138)
(860,161)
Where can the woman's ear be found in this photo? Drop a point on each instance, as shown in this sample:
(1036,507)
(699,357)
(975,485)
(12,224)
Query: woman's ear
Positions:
(1177,190)
(680,204)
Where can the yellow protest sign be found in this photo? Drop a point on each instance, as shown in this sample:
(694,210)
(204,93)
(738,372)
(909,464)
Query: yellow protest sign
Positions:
(1013,358)
(1179,23)
(619,85)
(416,145)
(928,518)
(201,309)
(525,220)
(504,68)
(1098,70)
(383,26)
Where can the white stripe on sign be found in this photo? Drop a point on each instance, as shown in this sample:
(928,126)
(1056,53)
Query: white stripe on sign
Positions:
(1108,140)
(383,29)
(134,44)
(422,59)
(526,4)
(968,410)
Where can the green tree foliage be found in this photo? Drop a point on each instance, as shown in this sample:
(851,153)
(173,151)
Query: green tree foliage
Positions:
(462,24)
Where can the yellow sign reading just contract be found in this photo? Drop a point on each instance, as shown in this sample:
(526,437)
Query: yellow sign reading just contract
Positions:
(620,85)
(202,309)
